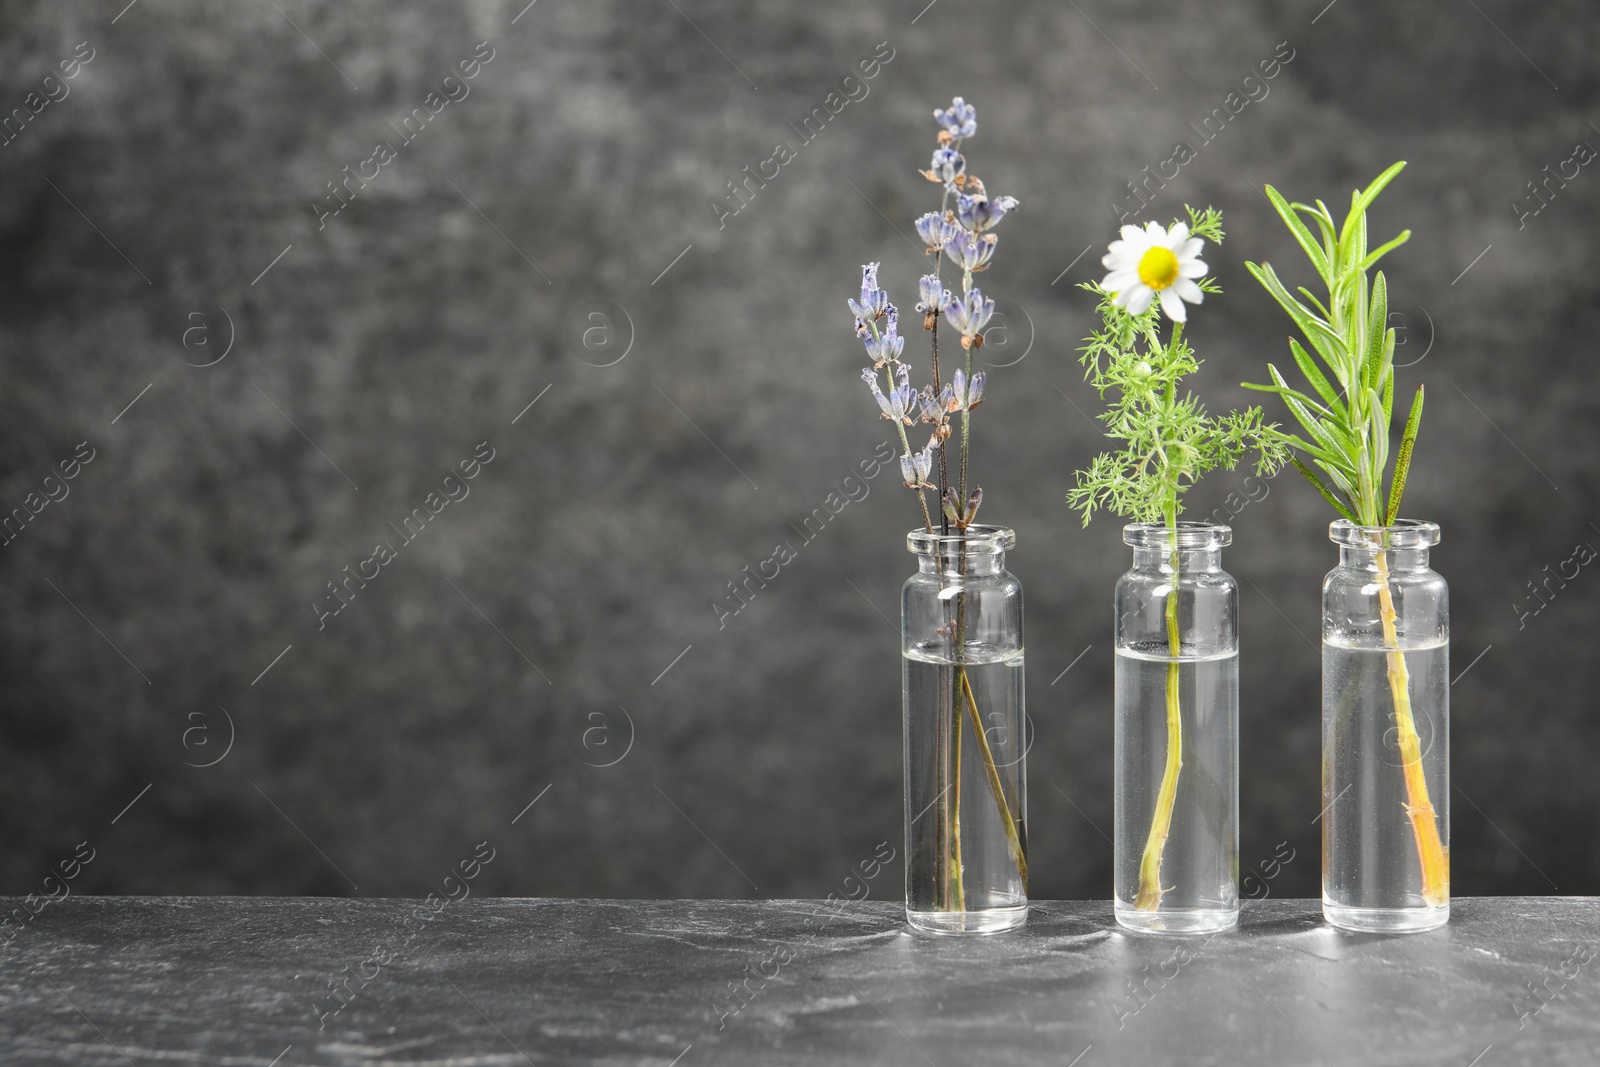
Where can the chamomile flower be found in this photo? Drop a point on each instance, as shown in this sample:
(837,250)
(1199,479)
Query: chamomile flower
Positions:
(1155,263)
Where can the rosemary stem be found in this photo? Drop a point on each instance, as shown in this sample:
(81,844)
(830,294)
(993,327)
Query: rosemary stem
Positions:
(1431,854)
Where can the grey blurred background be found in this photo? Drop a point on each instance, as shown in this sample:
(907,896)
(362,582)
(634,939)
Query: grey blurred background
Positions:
(167,695)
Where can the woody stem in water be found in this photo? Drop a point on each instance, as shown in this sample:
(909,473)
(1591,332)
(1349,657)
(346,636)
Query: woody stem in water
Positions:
(1431,853)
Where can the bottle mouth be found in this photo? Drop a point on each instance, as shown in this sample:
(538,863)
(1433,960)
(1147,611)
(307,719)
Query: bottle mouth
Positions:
(976,538)
(1404,534)
(1189,535)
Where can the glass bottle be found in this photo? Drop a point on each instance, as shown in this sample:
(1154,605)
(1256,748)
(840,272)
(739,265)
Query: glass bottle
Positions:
(1177,732)
(1385,731)
(966,791)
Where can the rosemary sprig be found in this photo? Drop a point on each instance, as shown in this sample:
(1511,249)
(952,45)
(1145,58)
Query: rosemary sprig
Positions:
(1347,428)
(1347,422)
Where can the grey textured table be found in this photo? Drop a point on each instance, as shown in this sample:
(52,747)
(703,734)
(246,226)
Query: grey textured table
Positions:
(147,980)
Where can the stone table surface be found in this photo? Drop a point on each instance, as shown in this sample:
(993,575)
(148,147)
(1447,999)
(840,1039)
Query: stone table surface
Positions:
(242,980)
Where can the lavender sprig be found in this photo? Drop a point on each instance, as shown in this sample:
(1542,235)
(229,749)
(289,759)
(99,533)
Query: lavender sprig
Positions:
(964,231)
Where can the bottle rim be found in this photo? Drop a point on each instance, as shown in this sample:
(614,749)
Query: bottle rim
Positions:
(1189,535)
(1402,534)
(977,538)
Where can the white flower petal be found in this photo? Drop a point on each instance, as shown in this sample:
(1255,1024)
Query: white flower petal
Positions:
(1131,233)
(1188,290)
(1172,305)
(1191,248)
(1155,232)
(1136,298)
(1177,236)
(1191,268)
(1119,280)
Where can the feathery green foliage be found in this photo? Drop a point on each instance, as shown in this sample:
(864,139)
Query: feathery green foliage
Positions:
(1347,422)
(1170,439)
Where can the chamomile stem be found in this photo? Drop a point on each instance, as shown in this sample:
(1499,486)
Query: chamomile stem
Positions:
(1013,831)
(1431,854)
(1149,896)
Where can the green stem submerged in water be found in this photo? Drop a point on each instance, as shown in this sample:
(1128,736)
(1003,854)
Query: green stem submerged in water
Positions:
(1169,442)
(1150,888)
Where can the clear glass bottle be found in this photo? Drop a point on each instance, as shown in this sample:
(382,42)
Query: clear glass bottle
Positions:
(1177,732)
(966,790)
(1385,731)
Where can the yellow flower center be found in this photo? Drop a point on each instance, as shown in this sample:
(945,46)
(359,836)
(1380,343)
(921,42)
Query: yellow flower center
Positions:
(1158,267)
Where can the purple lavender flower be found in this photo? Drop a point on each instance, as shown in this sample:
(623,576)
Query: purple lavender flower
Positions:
(946,166)
(961,394)
(902,399)
(978,213)
(975,390)
(936,229)
(969,316)
(934,293)
(887,346)
(971,250)
(873,300)
(916,466)
(960,119)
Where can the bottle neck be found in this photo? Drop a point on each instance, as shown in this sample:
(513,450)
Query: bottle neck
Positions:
(1189,561)
(1362,558)
(947,561)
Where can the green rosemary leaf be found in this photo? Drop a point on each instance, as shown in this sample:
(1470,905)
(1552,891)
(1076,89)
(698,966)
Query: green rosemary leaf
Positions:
(1321,455)
(1381,251)
(1402,463)
(1377,325)
(1360,201)
(1302,235)
(1329,345)
(1380,439)
(1388,381)
(1318,381)
(1327,494)
(1316,301)
(1352,246)
(1324,219)
(1285,390)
